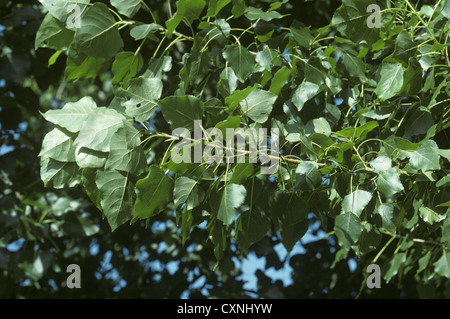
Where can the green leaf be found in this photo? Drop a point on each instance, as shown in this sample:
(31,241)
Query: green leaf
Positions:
(126,153)
(231,197)
(87,158)
(52,60)
(280,79)
(381,164)
(405,145)
(241,61)
(127,7)
(319,125)
(358,132)
(419,123)
(304,92)
(90,67)
(389,183)
(356,202)
(98,36)
(228,82)
(258,105)
(291,234)
(444,181)
(145,30)
(444,153)
(197,65)
(241,172)
(391,81)
(187,10)
(73,115)
(302,35)
(237,96)
(265,58)
(58,145)
(377,114)
(394,264)
(351,20)
(404,47)
(117,196)
(412,82)
(446,230)
(314,71)
(238,8)
(287,208)
(386,212)
(442,266)
(348,229)
(446,9)
(215,6)
(426,157)
(141,97)
(307,174)
(153,193)
(251,227)
(369,239)
(446,204)
(429,215)
(182,111)
(98,129)
(187,191)
(187,219)
(217,235)
(52,34)
(423,262)
(88,177)
(307,146)
(60,8)
(158,67)
(253,13)
(233,122)
(58,174)
(354,66)
(126,66)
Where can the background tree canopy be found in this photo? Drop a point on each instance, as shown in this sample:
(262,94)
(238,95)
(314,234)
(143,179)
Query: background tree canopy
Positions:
(87,175)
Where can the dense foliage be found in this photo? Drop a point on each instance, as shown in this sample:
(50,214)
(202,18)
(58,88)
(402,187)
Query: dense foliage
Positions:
(363,117)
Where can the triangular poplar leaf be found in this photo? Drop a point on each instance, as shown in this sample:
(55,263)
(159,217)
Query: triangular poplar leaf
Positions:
(153,193)
(98,129)
(58,144)
(98,35)
(356,202)
(73,115)
(117,196)
(231,197)
(141,97)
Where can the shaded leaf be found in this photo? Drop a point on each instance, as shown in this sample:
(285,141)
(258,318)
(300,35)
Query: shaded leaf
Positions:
(182,111)
(99,35)
(348,229)
(241,61)
(251,227)
(187,191)
(126,66)
(116,196)
(153,193)
(231,197)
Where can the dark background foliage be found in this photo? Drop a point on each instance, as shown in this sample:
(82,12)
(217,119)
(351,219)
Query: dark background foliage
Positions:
(43,230)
